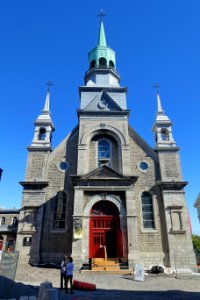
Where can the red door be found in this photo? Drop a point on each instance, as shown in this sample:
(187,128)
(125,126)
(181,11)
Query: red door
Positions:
(1,245)
(99,227)
(105,231)
(1,242)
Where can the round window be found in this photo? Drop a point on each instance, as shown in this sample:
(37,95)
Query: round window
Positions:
(64,165)
(143,166)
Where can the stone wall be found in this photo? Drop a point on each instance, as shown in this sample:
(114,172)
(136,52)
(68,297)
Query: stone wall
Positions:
(56,243)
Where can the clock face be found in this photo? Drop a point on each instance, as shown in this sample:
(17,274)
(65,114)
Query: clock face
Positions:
(102,104)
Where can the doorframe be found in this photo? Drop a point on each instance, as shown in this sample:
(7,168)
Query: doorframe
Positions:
(86,222)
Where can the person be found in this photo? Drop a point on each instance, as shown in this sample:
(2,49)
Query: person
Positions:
(63,272)
(69,275)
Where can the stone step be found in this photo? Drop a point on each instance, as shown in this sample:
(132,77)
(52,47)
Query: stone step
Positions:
(105,263)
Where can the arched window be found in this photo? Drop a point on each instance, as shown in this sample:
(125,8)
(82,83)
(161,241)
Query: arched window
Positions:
(93,63)
(42,134)
(111,64)
(14,222)
(102,62)
(60,211)
(164,134)
(147,211)
(104,152)
(3,221)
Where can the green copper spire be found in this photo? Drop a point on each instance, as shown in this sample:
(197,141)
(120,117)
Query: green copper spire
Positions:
(102,56)
(102,37)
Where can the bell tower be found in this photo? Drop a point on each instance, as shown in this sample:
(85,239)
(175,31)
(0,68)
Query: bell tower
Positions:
(171,186)
(34,187)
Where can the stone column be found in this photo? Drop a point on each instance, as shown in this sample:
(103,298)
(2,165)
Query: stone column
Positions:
(131,228)
(77,226)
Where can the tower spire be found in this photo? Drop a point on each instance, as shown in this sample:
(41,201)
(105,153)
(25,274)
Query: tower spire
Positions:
(162,126)
(160,110)
(43,124)
(47,101)
(102,36)
(46,104)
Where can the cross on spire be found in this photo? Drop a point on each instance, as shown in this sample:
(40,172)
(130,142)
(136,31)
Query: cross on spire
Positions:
(156,86)
(49,84)
(101,14)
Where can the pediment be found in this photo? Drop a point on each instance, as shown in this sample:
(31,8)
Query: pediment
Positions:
(103,172)
(102,102)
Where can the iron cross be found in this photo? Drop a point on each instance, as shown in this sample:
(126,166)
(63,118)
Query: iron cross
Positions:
(156,86)
(101,14)
(49,84)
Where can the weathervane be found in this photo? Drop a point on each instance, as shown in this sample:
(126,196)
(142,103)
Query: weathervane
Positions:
(156,86)
(49,84)
(101,14)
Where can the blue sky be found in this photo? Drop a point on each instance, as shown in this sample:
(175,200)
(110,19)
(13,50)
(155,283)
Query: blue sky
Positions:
(155,41)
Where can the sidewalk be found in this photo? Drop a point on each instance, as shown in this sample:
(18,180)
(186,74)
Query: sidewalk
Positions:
(109,287)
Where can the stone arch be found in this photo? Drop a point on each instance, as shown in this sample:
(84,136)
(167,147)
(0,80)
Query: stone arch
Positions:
(115,200)
(102,128)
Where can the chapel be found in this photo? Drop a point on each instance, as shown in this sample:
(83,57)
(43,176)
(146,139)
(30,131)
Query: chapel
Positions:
(103,192)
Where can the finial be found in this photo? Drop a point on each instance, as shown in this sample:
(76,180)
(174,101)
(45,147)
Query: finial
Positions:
(49,84)
(101,14)
(156,86)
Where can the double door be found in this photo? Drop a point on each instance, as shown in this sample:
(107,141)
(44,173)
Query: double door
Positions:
(104,236)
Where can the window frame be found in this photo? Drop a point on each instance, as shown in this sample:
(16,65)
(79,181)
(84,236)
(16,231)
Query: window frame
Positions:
(42,134)
(109,159)
(63,211)
(148,229)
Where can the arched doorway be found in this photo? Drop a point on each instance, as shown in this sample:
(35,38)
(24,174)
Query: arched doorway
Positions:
(105,232)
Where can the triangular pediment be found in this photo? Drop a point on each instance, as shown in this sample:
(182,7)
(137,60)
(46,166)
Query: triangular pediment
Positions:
(103,172)
(102,102)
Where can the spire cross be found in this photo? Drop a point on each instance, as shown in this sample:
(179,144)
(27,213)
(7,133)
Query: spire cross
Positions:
(101,14)
(49,84)
(156,86)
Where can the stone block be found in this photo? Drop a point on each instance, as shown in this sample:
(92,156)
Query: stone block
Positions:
(50,294)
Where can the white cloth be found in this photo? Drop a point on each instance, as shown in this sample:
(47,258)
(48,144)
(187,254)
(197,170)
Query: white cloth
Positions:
(63,266)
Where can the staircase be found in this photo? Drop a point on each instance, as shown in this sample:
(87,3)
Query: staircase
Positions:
(102,264)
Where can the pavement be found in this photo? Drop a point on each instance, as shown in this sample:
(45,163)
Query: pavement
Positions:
(108,286)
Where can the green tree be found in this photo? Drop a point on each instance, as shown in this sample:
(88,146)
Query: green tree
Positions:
(196,242)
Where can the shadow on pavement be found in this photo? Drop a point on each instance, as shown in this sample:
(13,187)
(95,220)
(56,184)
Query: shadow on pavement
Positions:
(126,295)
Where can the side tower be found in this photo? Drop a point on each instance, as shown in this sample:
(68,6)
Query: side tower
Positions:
(171,185)
(34,185)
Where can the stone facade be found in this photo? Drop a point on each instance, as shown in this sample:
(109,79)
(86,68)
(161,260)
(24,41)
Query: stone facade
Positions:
(8,229)
(102,181)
